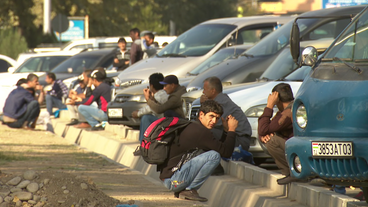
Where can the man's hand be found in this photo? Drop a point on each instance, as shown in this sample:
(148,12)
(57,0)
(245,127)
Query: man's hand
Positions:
(39,87)
(135,114)
(224,124)
(116,60)
(70,102)
(273,98)
(147,93)
(232,123)
(266,138)
(127,62)
(203,98)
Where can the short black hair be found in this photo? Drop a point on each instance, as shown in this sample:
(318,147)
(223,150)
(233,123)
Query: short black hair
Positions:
(155,80)
(51,75)
(214,82)
(211,106)
(136,30)
(31,77)
(150,35)
(21,81)
(122,39)
(165,43)
(285,92)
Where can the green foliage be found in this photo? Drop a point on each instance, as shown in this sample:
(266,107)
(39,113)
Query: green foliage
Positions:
(12,43)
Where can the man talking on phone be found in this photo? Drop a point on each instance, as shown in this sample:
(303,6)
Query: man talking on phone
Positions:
(275,131)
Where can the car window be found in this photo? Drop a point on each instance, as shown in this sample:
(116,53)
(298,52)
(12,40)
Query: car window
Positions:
(198,40)
(253,35)
(30,65)
(76,64)
(329,30)
(81,47)
(299,74)
(281,66)
(4,65)
(49,63)
(108,62)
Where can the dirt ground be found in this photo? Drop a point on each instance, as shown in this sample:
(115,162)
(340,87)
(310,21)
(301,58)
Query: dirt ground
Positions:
(51,157)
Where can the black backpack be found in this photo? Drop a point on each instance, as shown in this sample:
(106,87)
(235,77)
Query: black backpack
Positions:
(155,146)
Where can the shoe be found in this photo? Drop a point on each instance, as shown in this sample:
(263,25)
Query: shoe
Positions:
(219,170)
(360,196)
(83,126)
(97,128)
(191,195)
(137,152)
(73,122)
(288,179)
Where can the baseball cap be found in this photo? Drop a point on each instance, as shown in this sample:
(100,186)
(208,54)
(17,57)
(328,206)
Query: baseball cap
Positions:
(169,80)
(97,74)
(81,78)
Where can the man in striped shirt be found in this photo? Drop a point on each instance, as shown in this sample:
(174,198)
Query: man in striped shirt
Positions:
(55,96)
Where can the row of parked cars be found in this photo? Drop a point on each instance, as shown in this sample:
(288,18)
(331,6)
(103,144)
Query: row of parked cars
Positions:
(251,55)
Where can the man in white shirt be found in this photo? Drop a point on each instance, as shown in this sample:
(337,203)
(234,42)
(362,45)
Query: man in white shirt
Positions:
(148,46)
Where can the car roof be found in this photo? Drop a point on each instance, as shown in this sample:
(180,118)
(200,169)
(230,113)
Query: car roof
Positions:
(58,53)
(338,11)
(240,21)
(96,52)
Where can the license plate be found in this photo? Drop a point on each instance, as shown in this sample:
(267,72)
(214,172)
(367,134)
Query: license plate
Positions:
(332,149)
(115,113)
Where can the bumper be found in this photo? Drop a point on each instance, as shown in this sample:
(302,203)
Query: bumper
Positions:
(337,170)
(126,118)
(255,147)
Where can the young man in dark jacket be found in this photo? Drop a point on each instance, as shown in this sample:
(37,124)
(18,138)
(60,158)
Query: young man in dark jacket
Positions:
(189,178)
(56,94)
(136,52)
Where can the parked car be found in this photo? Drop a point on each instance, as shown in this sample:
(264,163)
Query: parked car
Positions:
(250,66)
(199,43)
(330,111)
(131,99)
(6,62)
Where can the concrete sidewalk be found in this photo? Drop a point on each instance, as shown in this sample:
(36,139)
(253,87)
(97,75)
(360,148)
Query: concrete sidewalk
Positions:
(243,184)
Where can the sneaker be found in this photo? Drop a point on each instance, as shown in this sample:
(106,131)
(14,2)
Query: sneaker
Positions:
(191,195)
(219,170)
(73,122)
(360,196)
(287,179)
(97,128)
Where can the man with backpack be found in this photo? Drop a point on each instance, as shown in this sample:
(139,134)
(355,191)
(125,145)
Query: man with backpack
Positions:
(185,169)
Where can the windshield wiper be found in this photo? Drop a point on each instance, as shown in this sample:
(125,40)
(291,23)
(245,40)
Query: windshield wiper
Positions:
(247,55)
(192,74)
(172,55)
(355,68)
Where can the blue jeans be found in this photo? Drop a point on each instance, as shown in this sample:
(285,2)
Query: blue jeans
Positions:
(52,101)
(146,121)
(192,174)
(92,114)
(32,112)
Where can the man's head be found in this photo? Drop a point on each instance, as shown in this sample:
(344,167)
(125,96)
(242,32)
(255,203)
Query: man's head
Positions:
(170,83)
(122,43)
(81,81)
(134,33)
(21,82)
(154,81)
(285,94)
(212,86)
(164,44)
(149,37)
(98,76)
(50,78)
(209,113)
(32,80)
(86,74)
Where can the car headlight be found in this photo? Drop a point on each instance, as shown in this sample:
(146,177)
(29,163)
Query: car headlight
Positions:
(138,98)
(226,84)
(297,164)
(257,111)
(301,116)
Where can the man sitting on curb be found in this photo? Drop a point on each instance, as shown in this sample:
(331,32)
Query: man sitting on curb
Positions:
(102,95)
(56,94)
(173,106)
(76,95)
(189,178)
(275,131)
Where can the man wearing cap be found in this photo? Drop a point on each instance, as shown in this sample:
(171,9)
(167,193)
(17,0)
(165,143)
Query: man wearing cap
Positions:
(102,95)
(56,94)
(76,95)
(173,106)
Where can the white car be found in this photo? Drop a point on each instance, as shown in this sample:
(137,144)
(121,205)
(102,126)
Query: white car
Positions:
(6,62)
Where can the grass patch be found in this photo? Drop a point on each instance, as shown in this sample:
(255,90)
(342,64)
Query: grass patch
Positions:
(11,157)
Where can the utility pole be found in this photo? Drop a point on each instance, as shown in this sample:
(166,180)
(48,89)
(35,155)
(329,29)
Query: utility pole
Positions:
(46,16)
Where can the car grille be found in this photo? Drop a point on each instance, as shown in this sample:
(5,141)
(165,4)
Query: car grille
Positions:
(194,113)
(131,83)
(122,99)
(356,168)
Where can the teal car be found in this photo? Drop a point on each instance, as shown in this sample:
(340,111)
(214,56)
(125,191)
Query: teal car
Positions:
(330,111)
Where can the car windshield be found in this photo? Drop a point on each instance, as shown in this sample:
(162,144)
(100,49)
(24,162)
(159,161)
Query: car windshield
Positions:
(299,74)
(352,45)
(281,66)
(217,58)
(197,41)
(40,64)
(76,64)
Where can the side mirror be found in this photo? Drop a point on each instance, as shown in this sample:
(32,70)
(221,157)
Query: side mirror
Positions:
(295,42)
(309,56)
(11,69)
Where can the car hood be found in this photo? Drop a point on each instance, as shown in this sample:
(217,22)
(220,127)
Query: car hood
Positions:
(10,79)
(178,66)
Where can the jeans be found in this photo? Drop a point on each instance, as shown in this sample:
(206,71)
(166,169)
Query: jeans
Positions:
(146,121)
(32,112)
(52,101)
(92,114)
(193,173)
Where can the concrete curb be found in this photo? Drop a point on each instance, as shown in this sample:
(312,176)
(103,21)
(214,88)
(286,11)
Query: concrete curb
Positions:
(243,184)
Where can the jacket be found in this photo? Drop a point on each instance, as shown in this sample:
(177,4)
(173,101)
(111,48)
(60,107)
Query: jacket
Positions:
(101,94)
(16,103)
(136,52)
(161,97)
(281,124)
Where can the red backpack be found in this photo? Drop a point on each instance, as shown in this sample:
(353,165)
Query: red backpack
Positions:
(155,146)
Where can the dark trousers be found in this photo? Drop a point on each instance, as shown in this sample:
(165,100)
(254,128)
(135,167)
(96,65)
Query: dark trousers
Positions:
(33,111)
(171,113)
(276,148)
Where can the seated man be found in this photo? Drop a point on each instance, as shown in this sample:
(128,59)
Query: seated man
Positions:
(189,178)
(54,96)
(102,95)
(21,109)
(275,131)
(173,106)
(148,47)
(146,114)
(76,95)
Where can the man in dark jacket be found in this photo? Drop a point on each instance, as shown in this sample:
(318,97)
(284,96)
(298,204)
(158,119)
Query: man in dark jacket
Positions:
(136,53)
(102,95)
(275,131)
(189,178)
(55,96)
(121,60)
